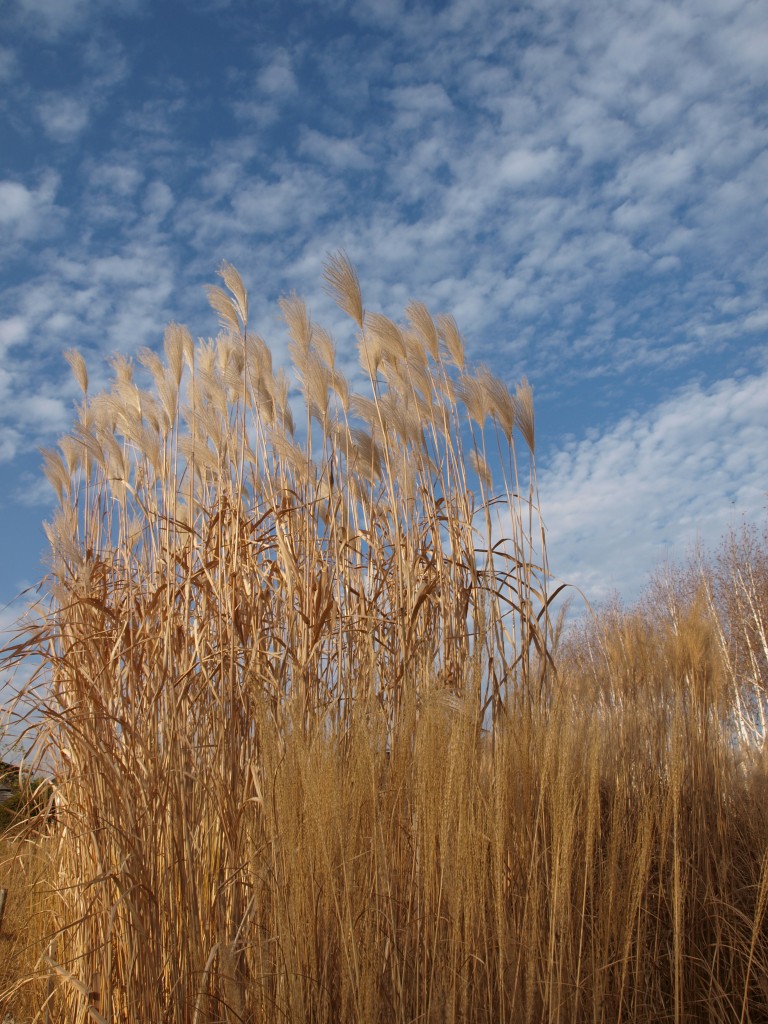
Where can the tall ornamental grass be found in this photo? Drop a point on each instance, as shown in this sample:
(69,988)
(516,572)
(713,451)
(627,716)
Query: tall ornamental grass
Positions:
(225,570)
(318,754)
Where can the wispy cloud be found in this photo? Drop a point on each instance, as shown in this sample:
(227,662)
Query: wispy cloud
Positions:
(51,19)
(28,210)
(64,118)
(341,154)
(8,64)
(13,331)
(277,77)
(652,484)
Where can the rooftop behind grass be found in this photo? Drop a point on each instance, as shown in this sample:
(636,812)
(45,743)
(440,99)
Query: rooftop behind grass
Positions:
(267,661)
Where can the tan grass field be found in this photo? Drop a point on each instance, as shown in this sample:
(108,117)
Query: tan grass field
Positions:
(322,752)
(25,872)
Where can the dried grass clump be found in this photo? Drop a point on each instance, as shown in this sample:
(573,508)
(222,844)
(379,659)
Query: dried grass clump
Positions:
(313,761)
(218,572)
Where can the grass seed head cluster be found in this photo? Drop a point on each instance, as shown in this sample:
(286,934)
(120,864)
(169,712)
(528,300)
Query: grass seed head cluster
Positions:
(318,755)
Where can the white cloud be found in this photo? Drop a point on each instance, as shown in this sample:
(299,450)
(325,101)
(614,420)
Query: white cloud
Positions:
(657,172)
(13,331)
(119,269)
(426,99)
(122,179)
(616,503)
(35,491)
(522,166)
(25,211)
(636,216)
(589,126)
(50,17)
(757,321)
(63,117)
(158,200)
(417,107)
(16,202)
(337,153)
(9,443)
(106,62)
(277,78)
(44,414)
(8,63)
(380,12)
(53,18)
(239,207)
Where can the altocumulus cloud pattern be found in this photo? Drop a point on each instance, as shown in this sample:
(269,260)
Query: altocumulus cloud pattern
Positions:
(583,186)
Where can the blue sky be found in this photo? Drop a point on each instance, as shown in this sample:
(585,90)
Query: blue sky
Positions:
(583,184)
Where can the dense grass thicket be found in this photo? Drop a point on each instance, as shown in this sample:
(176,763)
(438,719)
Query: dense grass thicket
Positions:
(320,752)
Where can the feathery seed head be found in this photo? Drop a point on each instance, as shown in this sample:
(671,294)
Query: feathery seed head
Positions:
(401,414)
(424,326)
(169,399)
(325,347)
(127,394)
(152,411)
(78,367)
(90,444)
(343,286)
(290,457)
(500,401)
(389,335)
(299,324)
(225,307)
(368,410)
(366,455)
(56,472)
(229,355)
(418,355)
(524,410)
(340,387)
(280,388)
(371,353)
(152,362)
(62,533)
(404,472)
(234,282)
(198,454)
(72,453)
(104,413)
(449,332)
(114,452)
(474,396)
(175,341)
(123,369)
(316,384)
(206,357)
(420,379)
(258,356)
